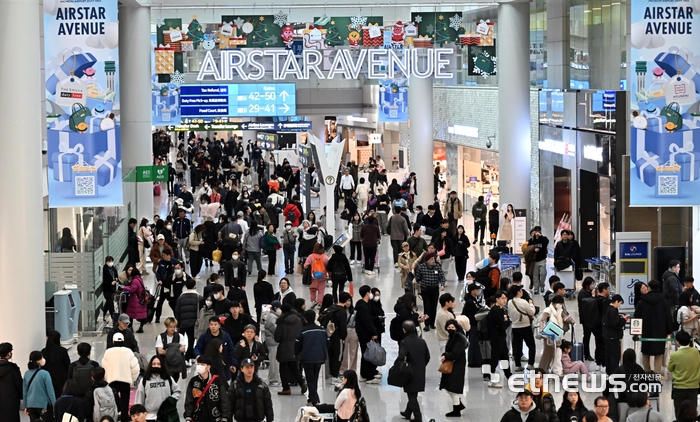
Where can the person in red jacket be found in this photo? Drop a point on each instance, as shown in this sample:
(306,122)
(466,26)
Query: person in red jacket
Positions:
(296,206)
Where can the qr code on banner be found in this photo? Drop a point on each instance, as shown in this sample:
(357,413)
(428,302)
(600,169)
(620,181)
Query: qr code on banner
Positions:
(668,185)
(85,185)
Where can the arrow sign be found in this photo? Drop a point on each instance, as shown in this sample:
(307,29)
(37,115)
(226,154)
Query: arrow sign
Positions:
(244,126)
(284,108)
(284,95)
(171,127)
(207,126)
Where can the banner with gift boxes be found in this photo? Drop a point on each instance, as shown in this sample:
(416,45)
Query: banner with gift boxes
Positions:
(165,104)
(82,107)
(665,107)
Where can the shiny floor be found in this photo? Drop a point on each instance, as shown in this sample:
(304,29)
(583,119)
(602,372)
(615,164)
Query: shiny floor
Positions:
(385,402)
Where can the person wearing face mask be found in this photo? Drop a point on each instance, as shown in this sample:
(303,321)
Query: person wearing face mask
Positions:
(203,316)
(109,286)
(10,385)
(156,387)
(203,190)
(236,272)
(37,388)
(180,278)
(221,303)
(455,352)
(206,399)
(550,355)
(377,313)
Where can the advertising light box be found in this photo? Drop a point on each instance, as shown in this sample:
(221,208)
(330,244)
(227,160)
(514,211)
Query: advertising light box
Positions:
(238,100)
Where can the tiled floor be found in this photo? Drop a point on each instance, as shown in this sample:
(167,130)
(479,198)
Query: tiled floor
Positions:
(483,404)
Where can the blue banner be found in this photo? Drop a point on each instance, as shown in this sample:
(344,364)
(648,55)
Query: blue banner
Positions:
(82,104)
(393,100)
(664,81)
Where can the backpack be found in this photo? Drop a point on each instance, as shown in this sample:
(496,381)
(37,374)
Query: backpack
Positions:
(359,413)
(590,315)
(338,271)
(105,403)
(82,374)
(229,237)
(395,330)
(482,327)
(327,240)
(292,215)
(146,298)
(326,320)
(173,357)
(318,270)
(482,277)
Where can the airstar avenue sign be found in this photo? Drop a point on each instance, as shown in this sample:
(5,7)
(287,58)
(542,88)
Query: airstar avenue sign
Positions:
(379,64)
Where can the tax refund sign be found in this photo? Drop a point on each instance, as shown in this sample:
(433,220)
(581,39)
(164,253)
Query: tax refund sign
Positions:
(238,100)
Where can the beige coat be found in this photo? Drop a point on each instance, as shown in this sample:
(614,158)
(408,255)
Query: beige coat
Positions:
(456,209)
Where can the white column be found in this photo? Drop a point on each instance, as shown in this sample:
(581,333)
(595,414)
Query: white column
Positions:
(558,44)
(420,116)
(318,124)
(248,135)
(21,179)
(379,148)
(514,104)
(135,94)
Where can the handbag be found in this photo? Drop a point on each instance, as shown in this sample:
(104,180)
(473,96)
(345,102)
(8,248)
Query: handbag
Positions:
(446,367)
(79,113)
(375,354)
(306,278)
(400,373)
(671,112)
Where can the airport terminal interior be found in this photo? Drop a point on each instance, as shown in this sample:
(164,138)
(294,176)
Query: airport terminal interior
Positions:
(489,154)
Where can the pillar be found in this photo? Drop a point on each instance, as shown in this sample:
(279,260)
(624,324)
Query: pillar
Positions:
(420,118)
(21,121)
(249,135)
(379,148)
(514,104)
(135,95)
(558,63)
(318,126)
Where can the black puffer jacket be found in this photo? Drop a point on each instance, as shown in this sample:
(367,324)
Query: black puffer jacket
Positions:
(11,387)
(216,401)
(288,329)
(187,308)
(243,407)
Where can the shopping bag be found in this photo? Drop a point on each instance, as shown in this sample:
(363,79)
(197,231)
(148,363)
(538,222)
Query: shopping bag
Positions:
(375,354)
(216,255)
(306,278)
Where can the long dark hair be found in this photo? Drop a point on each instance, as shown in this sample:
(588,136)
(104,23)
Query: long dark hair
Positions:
(212,349)
(565,403)
(67,241)
(408,300)
(351,377)
(164,373)
(253,230)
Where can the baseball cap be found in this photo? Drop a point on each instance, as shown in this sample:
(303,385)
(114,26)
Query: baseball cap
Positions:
(247,362)
(160,236)
(525,393)
(239,213)
(276,304)
(118,337)
(124,318)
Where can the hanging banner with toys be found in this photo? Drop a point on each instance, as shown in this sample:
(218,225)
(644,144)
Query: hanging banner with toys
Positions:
(348,31)
(665,83)
(393,100)
(82,104)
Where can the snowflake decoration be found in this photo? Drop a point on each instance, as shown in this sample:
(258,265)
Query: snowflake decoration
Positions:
(160,22)
(494,59)
(430,29)
(455,22)
(239,22)
(281,18)
(177,78)
(418,19)
(358,20)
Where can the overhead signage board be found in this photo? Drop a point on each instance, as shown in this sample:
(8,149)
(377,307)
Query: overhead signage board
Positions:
(238,100)
(271,126)
(266,141)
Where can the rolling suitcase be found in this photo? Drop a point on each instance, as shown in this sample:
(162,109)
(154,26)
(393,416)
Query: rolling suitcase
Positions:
(178,189)
(156,190)
(576,348)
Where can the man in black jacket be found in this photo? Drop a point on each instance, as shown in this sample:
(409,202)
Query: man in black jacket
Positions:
(524,410)
(498,322)
(10,385)
(122,326)
(312,348)
(472,306)
(236,323)
(430,221)
(613,326)
(250,396)
(586,292)
(672,286)
(288,329)
(186,312)
(366,332)
(236,272)
(539,272)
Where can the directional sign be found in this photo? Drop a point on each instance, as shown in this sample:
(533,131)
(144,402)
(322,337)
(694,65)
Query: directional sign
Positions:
(238,100)
(305,155)
(277,126)
(203,127)
(266,141)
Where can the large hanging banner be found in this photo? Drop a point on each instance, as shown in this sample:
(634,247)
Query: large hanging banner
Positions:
(82,103)
(664,83)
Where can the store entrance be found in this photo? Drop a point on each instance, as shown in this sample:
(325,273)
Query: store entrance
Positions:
(589,206)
